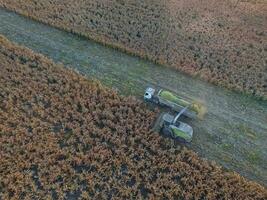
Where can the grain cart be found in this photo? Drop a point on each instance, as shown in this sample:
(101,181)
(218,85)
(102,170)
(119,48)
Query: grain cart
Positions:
(175,102)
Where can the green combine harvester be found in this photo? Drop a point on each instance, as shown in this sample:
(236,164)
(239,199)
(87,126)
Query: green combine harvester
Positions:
(171,127)
(169,124)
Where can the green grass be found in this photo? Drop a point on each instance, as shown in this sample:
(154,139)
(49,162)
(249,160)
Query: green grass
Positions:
(254,157)
(247,132)
(226,146)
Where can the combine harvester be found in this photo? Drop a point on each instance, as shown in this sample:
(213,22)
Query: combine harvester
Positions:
(169,124)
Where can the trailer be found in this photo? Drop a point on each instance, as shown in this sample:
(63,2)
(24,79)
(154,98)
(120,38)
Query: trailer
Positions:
(175,102)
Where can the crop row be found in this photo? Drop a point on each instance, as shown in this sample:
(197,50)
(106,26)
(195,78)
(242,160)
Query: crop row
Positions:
(64,136)
(220,41)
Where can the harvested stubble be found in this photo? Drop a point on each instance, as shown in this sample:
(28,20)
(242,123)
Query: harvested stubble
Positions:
(222,41)
(63,136)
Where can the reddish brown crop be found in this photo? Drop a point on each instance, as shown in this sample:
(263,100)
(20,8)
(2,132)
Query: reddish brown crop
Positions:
(63,136)
(222,41)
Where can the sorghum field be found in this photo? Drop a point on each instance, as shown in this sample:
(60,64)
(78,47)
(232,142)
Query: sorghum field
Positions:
(222,41)
(63,136)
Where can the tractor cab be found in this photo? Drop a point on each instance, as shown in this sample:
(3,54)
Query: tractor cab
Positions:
(149,94)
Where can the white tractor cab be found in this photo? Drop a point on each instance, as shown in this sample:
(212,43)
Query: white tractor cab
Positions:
(149,93)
